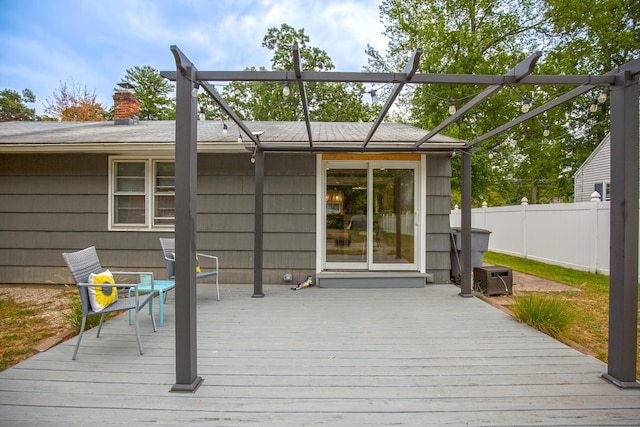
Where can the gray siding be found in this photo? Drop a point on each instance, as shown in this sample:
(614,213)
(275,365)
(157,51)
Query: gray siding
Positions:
(438,189)
(52,203)
(225,215)
(595,170)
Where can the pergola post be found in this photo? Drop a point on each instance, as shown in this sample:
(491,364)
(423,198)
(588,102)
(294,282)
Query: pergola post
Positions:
(465,271)
(623,263)
(187,379)
(258,232)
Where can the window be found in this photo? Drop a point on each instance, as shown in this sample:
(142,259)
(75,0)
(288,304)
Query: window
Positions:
(604,189)
(142,194)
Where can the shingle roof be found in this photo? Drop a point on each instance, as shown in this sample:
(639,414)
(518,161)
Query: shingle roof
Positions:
(145,132)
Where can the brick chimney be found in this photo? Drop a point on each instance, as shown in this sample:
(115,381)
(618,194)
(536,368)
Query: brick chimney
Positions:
(126,106)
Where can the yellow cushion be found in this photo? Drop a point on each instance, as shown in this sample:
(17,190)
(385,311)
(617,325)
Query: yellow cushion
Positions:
(102,296)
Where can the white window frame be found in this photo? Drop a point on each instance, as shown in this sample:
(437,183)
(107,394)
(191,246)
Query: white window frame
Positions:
(149,194)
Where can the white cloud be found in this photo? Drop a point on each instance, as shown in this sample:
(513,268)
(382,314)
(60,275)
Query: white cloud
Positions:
(95,42)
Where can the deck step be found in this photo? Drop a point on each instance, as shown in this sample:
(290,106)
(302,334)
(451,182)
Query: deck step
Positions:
(371,279)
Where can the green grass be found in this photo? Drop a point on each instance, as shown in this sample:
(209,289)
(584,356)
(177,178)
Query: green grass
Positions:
(20,330)
(566,276)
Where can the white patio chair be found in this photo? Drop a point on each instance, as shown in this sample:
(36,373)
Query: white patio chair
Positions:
(84,262)
(169,250)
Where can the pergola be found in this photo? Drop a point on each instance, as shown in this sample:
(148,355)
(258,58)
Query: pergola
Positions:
(623,85)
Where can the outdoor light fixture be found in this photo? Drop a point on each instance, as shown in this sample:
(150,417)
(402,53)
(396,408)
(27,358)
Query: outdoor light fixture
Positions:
(286,90)
(194,92)
(594,105)
(526,105)
(490,155)
(452,106)
(603,96)
(374,97)
(546,130)
(224,128)
(255,147)
(240,138)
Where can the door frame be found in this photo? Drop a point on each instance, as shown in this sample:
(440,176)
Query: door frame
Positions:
(390,161)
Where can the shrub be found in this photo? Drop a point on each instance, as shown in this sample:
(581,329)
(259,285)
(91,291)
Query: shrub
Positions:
(74,315)
(553,316)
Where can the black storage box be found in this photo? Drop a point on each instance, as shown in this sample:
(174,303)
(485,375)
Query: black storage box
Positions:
(493,280)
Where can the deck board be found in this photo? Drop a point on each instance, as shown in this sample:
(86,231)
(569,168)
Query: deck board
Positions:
(322,357)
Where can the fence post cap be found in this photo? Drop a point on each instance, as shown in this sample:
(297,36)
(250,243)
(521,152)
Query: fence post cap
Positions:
(524,201)
(595,196)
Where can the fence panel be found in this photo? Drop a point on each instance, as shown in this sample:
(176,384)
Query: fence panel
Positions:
(573,235)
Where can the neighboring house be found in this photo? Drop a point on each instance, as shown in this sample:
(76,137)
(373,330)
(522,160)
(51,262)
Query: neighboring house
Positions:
(594,174)
(69,185)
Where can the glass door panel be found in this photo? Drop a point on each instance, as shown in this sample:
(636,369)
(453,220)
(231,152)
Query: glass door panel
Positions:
(346,218)
(393,233)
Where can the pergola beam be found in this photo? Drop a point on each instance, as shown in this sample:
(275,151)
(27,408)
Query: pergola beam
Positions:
(533,113)
(303,93)
(409,70)
(232,114)
(419,78)
(520,71)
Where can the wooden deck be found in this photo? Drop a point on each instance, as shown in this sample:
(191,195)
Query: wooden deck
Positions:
(322,357)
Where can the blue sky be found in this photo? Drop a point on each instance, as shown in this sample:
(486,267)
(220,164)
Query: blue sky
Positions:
(93,42)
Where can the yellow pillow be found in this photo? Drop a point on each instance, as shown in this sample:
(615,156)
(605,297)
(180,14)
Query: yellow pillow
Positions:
(102,296)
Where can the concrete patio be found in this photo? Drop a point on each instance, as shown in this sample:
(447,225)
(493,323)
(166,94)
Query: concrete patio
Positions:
(322,357)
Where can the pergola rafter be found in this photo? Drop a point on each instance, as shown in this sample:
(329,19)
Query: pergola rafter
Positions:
(303,92)
(519,72)
(410,70)
(625,153)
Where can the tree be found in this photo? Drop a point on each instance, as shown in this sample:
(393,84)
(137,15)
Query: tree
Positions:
(70,102)
(12,105)
(490,37)
(153,92)
(464,37)
(326,101)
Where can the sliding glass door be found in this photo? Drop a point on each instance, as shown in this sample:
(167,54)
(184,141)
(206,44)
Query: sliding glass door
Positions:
(370,215)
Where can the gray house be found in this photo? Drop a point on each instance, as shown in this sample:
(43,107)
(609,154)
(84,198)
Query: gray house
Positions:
(594,174)
(381,216)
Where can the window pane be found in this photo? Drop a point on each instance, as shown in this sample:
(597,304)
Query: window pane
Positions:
(165,210)
(346,209)
(394,222)
(129,209)
(165,177)
(164,190)
(129,177)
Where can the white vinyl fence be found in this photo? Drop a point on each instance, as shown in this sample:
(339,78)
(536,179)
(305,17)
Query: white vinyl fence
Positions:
(388,223)
(573,235)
